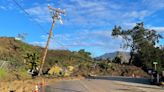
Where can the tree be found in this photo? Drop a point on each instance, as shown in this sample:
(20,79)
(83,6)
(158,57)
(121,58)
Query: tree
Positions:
(117,60)
(22,36)
(141,42)
(84,54)
(32,61)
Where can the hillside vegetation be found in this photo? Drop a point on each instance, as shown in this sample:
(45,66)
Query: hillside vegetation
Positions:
(16,52)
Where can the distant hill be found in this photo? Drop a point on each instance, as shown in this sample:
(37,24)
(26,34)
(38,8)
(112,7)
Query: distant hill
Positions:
(111,56)
(125,56)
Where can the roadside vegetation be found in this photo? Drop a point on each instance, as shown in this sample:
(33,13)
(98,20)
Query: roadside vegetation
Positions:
(23,60)
(144,46)
(3,73)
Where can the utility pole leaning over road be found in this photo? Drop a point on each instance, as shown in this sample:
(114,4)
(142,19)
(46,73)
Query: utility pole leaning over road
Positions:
(55,16)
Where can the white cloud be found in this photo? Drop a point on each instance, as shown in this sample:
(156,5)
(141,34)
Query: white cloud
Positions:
(82,12)
(99,12)
(44,36)
(100,39)
(154,4)
(87,4)
(2,7)
(94,12)
(7,5)
(158,29)
(41,14)
(129,24)
(140,14)
(86,39)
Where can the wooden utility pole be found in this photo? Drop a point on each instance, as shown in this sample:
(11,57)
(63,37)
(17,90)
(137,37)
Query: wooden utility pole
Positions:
(55,15)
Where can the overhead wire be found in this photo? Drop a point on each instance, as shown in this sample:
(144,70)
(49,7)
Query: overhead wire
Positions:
(64,47)
(37,23)
(32,18)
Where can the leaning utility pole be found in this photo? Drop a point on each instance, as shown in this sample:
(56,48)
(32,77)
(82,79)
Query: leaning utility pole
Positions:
(55,16)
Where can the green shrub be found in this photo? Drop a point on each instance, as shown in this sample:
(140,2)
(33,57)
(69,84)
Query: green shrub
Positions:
(3,73)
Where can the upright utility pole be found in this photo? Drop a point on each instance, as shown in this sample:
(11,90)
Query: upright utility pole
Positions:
(55,16)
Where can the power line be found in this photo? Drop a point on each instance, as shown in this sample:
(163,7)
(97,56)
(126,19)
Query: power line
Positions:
(60,44)
(38,24)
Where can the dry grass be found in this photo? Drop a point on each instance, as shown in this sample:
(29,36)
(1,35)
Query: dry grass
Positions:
(28,85)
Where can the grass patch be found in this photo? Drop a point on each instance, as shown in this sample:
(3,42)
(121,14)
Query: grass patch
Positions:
(23,74)
(3,73)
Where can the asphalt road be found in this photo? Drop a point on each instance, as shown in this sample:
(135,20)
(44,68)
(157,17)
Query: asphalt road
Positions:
(104,84)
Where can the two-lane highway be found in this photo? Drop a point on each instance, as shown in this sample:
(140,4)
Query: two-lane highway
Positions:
(104,84)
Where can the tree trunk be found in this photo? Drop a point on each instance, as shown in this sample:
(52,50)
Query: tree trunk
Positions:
(131,57)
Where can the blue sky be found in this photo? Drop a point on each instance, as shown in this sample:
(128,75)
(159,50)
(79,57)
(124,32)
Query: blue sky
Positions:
(87,24)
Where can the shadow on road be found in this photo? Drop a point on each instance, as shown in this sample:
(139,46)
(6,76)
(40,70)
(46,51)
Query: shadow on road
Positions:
(123,79)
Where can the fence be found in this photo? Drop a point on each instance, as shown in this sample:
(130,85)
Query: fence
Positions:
(4,64)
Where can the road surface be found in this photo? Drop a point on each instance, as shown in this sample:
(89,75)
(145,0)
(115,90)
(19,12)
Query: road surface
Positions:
(104,84)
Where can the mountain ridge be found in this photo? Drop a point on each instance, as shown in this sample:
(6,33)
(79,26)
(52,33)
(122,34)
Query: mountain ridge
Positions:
(111,55)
